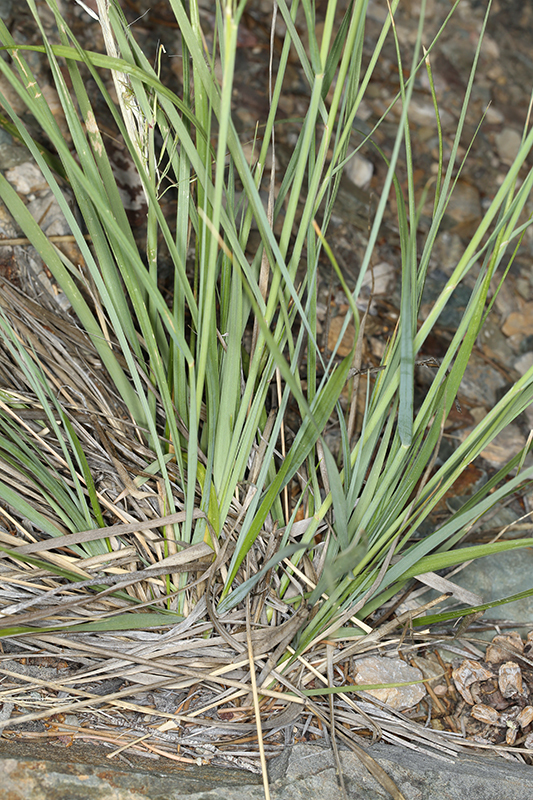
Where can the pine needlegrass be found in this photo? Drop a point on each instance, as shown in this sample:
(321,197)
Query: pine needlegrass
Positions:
(146,435)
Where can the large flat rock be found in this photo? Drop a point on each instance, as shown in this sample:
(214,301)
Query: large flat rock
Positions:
(55,772)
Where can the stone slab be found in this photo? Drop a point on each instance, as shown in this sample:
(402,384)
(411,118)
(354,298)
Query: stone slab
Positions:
(305,772)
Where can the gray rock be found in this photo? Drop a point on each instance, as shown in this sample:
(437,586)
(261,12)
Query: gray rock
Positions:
(498,576)
(418,776)
(48,771)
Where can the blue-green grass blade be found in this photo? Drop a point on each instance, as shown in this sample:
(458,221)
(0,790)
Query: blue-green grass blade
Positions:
(445,616)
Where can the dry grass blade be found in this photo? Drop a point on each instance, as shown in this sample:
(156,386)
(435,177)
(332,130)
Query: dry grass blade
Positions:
(101,533)
(255,698)
(130,494)
(338,765)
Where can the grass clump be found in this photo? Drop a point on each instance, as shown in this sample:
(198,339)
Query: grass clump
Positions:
(172,398)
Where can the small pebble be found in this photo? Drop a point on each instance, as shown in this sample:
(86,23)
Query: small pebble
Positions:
(464,206)
(27,178)
(504,446)
(508,144)
(374,669)
(523,363)
(520,322)
(359,170)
